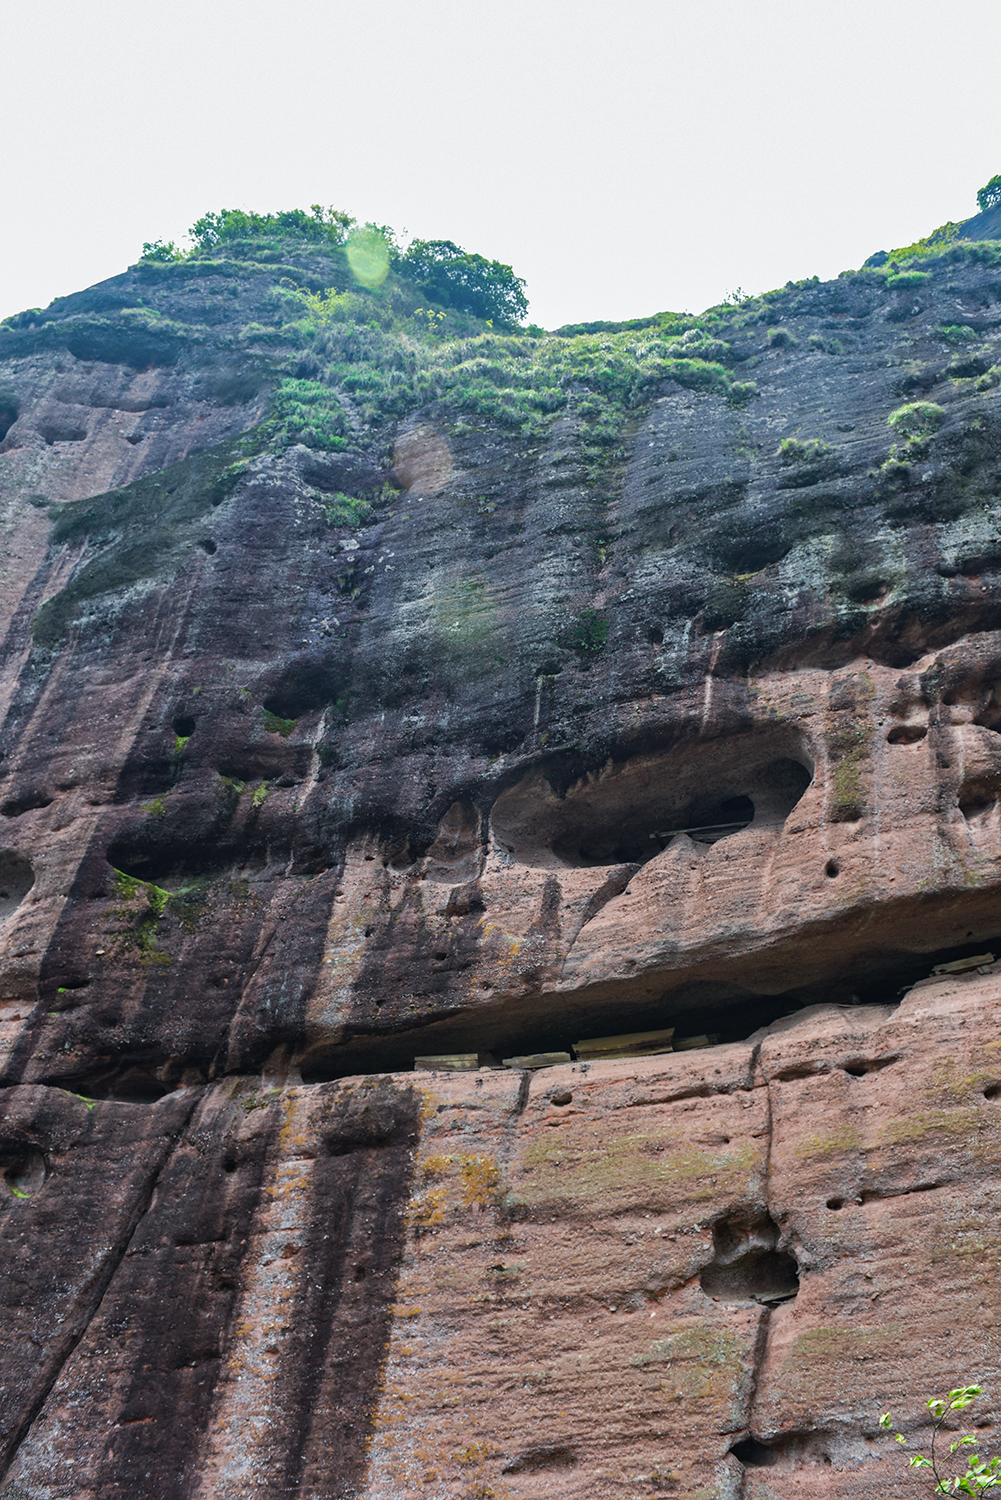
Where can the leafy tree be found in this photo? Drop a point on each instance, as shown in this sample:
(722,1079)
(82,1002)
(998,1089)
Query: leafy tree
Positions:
(161,252)
(990,195)
(470,283)
(320,225)
(980,1473)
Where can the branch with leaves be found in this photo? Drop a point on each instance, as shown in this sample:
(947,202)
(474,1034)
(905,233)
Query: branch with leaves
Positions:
(981,1473)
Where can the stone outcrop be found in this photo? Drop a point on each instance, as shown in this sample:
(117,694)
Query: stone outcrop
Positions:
(450,737)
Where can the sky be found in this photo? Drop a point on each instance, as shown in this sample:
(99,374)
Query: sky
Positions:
(625,158)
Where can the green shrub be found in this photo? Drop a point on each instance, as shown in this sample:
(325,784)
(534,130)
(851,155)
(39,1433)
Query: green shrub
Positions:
(274,724)
(813,451)
(916,419)
(908,278)
(454,278)
(304,411)
(346,510)
(318,226)
(781,338)
(957,333)
(989,195)
(160,252)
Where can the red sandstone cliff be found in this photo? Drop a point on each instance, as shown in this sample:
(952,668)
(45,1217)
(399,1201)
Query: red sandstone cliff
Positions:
(529,746)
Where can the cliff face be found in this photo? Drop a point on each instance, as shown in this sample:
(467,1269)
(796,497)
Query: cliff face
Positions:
(447,729)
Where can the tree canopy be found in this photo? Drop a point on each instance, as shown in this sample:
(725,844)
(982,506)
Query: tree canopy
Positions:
(990,195)
(469,283)
(443,271)
(321,225)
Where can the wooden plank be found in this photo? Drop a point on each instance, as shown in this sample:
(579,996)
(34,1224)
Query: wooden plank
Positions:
(538,1060)
(452,1062)
(631,1044)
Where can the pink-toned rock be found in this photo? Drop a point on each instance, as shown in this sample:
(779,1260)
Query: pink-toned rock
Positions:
(336,735)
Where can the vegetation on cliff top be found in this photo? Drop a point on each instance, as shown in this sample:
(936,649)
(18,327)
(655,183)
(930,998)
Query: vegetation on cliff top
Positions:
(447,274)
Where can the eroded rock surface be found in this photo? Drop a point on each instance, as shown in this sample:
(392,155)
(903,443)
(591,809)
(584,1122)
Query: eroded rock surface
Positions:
(454,738)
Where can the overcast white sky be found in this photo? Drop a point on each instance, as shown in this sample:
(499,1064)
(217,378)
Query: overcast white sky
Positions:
(624,157)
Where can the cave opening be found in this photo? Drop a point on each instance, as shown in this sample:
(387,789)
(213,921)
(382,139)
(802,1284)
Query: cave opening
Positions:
(8,414)
(121,1083)
(628,813)
(704,1013)
(16,879)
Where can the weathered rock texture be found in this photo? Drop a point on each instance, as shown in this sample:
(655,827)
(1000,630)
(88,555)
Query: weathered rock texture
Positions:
(287,802)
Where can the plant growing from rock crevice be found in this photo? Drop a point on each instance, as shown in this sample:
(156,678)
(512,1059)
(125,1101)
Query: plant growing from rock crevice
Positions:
(980,1473)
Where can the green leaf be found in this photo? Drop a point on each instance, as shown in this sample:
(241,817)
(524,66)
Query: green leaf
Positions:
(884,1420)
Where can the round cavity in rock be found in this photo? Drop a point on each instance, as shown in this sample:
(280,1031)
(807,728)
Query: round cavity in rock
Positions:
(976,800)
(207,545)
(835,1203)
(906,734)
(16,879)
(184,726)
(752,1454)
(15,806)
(993,1092)
(832,869)
(23,1167)
(563,1097)
(748,1265)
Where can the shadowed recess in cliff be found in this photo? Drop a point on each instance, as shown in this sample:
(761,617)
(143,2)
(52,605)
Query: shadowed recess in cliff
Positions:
(629,811)
(748,1263)
(731,1011)
(16,879)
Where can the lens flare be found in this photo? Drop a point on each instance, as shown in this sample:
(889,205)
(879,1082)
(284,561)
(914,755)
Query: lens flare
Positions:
(368,256)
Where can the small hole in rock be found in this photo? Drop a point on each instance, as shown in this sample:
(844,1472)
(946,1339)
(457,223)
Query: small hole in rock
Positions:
(8,415)
(16,879)
(832,868)
(207,545)
(184,727)
(439,958)
(993,1091)
(564,1097)
(655,636)
(747,1265)
(360,1273)
(906,734)
(977,797)
(23,1167)
(229,1165)
(752,1454)
(26,803)
(835,1203)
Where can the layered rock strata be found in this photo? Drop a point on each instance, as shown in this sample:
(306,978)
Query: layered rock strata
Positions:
(702,735)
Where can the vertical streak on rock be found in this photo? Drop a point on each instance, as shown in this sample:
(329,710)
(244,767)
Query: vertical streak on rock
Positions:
(307,1342)
(760,1351)
(129,1409)
(60,1351)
